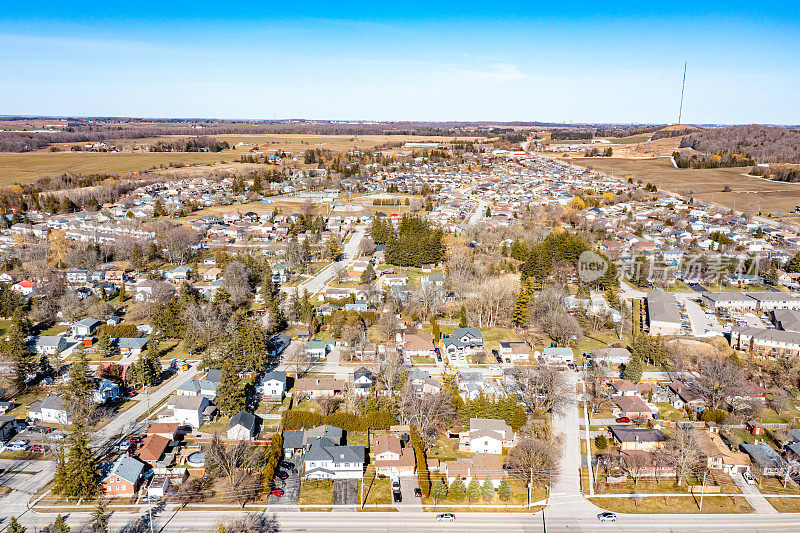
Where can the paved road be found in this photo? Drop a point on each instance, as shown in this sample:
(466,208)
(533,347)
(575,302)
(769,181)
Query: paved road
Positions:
(317,283)
(477,214)
(16,502)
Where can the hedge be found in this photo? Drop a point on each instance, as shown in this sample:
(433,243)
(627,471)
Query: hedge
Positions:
(423,475)
(293,420)
(274,455)
(120,330)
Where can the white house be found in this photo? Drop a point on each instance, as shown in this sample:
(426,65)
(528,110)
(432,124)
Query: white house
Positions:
(328,460)
(85,327)
(106,390)
(487,435)
(272,385)
(515,351)
(192,410)
(557,354)
(47,344)
(362,381)
(242,426)
(50,410)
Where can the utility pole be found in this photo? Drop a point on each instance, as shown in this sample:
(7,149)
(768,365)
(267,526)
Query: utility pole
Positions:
(703,490)
(683,86)
(149,505)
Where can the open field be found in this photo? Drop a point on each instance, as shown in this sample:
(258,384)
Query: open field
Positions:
(748,193)
(298,143)
(26,168)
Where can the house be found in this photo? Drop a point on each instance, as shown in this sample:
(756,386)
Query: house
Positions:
(393,280)
(106,390)
(24,287)
(418,345)
(242,426)
(464,341)
(132,346)
(487,435)
(749,391)
(272,385)
(168,430)
(632,407)
(123,477)
(299,441)
(631,438)
(47,344)
(558,355)
(327,460)
(192,410)
(281,273)
(152,450)
(178,274)
(423,383)
(158,487)
(765,460)
(362,381)
(319,387)
(316,349)
(85,327)
(50,410)
(392,459)
(511,352)
(642,464)
(277,344)
(198,387)
(683,395)
(719,456)
(624,387)
(480,466)
(611,356)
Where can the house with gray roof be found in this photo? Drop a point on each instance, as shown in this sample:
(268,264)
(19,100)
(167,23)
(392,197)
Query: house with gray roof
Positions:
(47,344)
(765,460)
(85,327)
(198,387)
(242,426)
(50,410)
(328,460)
(272,385)
(122,479)
(663,315)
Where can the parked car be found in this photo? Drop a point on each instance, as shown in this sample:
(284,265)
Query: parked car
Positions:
(445,517)
(395,484)
(38,448)
(748,478)
(136,440)
(20,445)
(397,497)
(623,419)
(608,516)
(287,465)
(56,435)
(281,475)
(418,492)
(276,492)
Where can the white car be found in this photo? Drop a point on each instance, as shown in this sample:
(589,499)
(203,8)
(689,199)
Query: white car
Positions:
(748,478)
(445,517)
(20,445)
(608,516)
(56,435)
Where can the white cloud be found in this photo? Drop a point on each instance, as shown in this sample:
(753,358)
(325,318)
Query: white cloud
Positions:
(495,73)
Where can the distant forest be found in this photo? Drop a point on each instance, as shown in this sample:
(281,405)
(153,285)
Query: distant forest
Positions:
(765,144)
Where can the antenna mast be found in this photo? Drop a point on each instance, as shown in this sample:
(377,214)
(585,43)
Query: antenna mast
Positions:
(683,86)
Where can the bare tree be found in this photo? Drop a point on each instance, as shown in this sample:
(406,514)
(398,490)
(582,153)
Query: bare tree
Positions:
(390,372)
(541,389)
(253,523)
(533,456)
(718,378)
(228,460)
(561,327)
(295,357)
(238,281)
(429,412)
(684,451)
(328,404)
(635,463)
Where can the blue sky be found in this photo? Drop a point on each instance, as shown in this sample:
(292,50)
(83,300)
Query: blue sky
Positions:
(564,61)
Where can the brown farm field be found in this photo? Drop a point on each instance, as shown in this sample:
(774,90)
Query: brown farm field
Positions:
(28,167)
(298,143)
(748,193)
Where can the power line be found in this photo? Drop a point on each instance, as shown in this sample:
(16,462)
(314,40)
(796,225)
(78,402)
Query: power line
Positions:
(683,86)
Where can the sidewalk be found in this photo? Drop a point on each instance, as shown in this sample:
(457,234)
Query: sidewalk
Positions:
(753,496)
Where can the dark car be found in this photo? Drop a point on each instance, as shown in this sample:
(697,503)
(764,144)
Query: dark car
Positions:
(397,497)
(281,475)
(623,419)
(418,493)
(438,358)
(276,492)
(136,440)
(287,465)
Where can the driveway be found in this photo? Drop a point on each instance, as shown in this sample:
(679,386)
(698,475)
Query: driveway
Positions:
(345,492)
(291,487)
(753,496)
(410,502)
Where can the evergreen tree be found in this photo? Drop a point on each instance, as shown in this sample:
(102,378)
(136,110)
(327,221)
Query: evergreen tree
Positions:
(138,260)
(504,490)
(79,388)
(123,294)
(99,519)
(462,321)
(368,275)
(473,490)
(231,397)
(457,490)
(523,305)
(438,491)
(77,477)
(633,370)
(15,527)
(437,333)
(104,347)
(256,187)
(487,489)
(60,525)
(15,349)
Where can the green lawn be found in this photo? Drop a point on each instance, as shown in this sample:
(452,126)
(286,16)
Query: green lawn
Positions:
(376,491)
(519,495)
(445,449)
